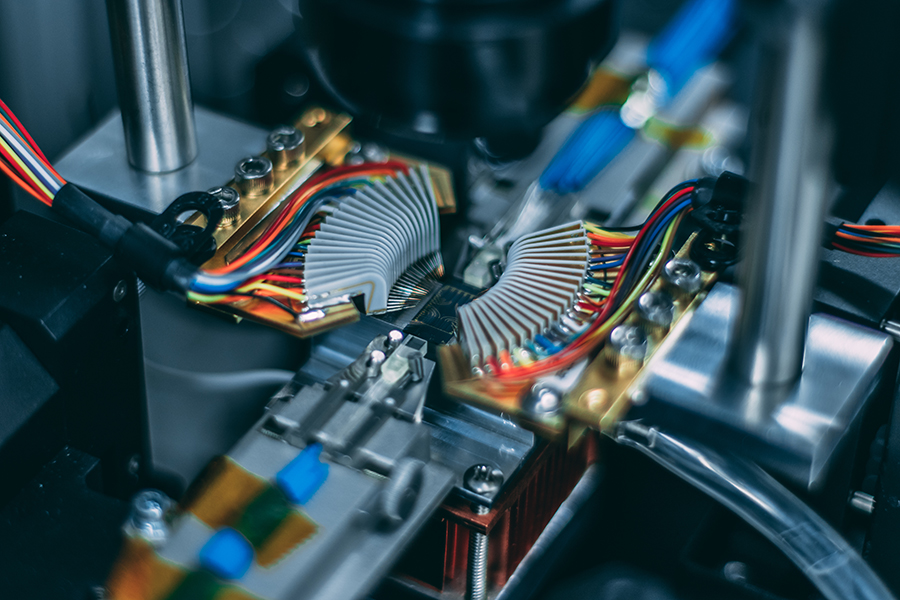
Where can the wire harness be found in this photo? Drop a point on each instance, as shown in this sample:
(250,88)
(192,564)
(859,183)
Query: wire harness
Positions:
(621,263)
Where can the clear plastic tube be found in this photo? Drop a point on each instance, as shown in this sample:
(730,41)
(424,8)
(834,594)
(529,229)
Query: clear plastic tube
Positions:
(820,552)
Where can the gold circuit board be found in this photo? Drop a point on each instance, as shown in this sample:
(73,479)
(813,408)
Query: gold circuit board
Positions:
(602,394)
(327,144)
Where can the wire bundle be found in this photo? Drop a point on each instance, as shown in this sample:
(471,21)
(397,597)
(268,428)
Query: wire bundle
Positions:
(272,269)
(23,161)
(877,241)
(623,264)
(543,278)
(383,233)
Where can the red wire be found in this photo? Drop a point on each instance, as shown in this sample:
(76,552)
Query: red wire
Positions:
(31,141)
(607,309)
(333,175)
(37,195)
(860,252)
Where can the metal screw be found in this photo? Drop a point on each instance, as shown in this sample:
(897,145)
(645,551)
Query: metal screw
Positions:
(98,592)
(120,291)
(373,365)
(657,311)
(394,339)
(736,572)
(863,502)
(891,328)
(484,480)
(627,346)
(148,516)
(375,153)
(481,479)
(286,146)
(542,400)
(230,201)
(254,175)
(134,464)
(683,276)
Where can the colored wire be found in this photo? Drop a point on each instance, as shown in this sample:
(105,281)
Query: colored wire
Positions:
(294,223)
(876,241)
(604,305)
(23,162)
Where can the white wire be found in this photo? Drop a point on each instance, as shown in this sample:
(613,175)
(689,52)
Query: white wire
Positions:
(28,156)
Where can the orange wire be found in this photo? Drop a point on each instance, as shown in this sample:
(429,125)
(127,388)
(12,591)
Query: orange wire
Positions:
(856,238)
(18,181)
(30,141)
(284,218)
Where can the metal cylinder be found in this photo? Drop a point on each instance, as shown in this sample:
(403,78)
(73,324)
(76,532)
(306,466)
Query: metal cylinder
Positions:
(785,217)
(150,55)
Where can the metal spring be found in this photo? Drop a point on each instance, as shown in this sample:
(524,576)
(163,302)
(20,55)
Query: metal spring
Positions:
(476,570)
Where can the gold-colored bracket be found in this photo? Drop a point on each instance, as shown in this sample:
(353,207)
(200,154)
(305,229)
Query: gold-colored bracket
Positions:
(327,142)
(320,128)
(598,400)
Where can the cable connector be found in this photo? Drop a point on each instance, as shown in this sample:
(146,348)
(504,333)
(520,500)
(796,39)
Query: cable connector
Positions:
(156,260)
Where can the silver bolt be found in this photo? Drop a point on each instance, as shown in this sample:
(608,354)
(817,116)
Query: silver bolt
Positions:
(683,276)
(483,480)
(657,311)
(230,201)
(891,328)
(373,365)
(254,175)
(286,146)
(542,400)
(375,153)
(627,346)
(736,571)
(394,339)
(863,502)
(120,291)
(149,509)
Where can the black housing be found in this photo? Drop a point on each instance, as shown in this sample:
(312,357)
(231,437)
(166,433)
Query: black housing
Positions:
(458,68)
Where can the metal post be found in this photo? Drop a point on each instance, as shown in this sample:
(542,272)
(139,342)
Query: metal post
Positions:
(791,171)
(150,54)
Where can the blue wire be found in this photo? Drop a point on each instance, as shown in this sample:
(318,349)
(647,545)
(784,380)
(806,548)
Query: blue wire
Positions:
(668,219)
(603,267)
(607,258)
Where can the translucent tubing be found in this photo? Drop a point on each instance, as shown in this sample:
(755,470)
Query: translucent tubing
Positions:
(820,552)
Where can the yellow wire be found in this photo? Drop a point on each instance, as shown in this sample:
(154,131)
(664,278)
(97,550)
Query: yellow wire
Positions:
(260,285)
(613,234)
(619,315)
(25,169)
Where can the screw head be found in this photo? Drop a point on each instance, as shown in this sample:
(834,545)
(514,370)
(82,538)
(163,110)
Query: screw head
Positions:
(683,275)
(395,338)
(286,146)
(736,572)
(373,364)
(657,310)
(120,291)
(542,400)
(627,344)
(254,175)
(230,201)
(375,153)
(482,479)
(149,509)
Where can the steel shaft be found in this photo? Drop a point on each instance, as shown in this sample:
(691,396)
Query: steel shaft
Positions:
(150,55)
(785,218)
